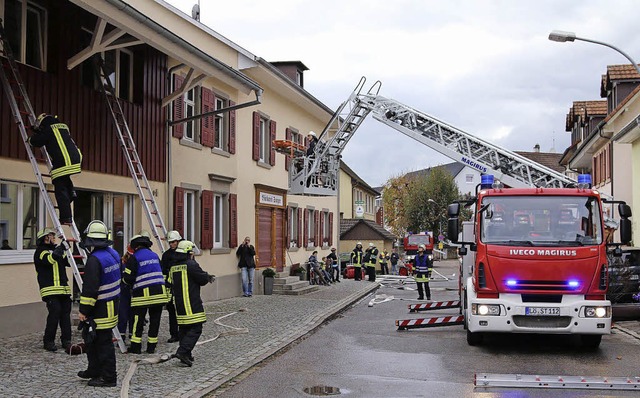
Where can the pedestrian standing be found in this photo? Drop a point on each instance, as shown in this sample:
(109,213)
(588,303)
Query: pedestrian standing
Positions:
(167,260)
(186,278)
(423,267)
(246,262)
(66,160)
(335,265)
(383,262)
(50,262)
(394,261)
(143,274)
(356,261)
(98,312)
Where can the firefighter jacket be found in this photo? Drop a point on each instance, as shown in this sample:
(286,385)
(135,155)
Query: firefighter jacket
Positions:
(167,260)
(373,257)
(101,288)
(186,277)
(66,158)
(50,262)
(143,274)
(356,258)
(424,266)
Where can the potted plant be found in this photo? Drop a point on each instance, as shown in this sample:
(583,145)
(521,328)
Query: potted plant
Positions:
(301,273)
(268,274)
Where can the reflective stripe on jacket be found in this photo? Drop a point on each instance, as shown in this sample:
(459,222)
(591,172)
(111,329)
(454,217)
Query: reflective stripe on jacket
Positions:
(52,276)
(144,273)
(66,158)
(101,288)
(423,268)
(186,277)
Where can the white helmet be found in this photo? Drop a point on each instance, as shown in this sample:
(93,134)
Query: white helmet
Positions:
(312,133)
(97,230)
(423,247)
(173,236)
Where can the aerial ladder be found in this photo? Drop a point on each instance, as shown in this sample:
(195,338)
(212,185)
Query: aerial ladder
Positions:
(24,117)
(317,174)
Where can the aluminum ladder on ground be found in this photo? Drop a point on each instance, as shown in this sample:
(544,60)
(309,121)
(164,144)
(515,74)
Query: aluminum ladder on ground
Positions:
(158,228)
(318,174)
(485,380)
(512,169)
(24,116)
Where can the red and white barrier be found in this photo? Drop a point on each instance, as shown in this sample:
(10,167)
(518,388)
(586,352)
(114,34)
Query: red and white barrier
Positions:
(429,322)
(436,305)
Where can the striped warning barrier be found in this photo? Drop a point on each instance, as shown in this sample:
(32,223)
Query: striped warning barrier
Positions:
(429,322)
(436,305)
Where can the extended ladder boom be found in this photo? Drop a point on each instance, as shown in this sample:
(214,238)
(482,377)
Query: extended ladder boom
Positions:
(317,174)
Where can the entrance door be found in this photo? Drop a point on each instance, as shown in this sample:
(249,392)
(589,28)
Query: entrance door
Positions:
(279,220)
(263,237)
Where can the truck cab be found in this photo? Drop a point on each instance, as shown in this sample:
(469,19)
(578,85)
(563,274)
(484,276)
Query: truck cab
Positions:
(539,263)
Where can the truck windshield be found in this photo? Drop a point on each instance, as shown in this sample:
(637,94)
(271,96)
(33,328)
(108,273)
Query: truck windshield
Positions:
(541,220)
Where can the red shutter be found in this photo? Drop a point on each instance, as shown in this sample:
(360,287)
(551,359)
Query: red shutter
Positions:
(287,223)
(300,226)
(316,230)
(331,229)
(256,136)
(178,108)
(321,230)
(207,133)
(233,220)
(272,148)
(287,158)
(206,224)
(306,142)
(178,210)
(232,130)
(305,232)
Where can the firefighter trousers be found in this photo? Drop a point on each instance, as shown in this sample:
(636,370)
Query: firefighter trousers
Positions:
(63,188)
(423,288)
(101,356)
(59,307)
(139,315)
(173,320)
(189,335)
(371,272)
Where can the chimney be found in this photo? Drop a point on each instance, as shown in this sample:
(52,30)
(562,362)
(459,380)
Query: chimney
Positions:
(536,148)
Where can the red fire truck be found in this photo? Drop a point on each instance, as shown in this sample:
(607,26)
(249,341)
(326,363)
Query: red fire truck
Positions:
(537,261)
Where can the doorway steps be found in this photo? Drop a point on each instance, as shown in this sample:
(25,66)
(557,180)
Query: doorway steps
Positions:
(292,286)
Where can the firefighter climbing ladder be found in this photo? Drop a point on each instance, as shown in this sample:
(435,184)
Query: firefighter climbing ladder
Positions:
(145,193)
(550,381)
(509,167)
(24,116)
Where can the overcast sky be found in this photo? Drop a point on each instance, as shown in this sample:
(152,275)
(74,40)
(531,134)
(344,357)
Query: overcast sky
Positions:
(486,67)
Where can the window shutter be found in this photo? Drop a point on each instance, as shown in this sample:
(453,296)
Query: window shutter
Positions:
(178,108)
(305,235)
(316,230)
(206,225)
(232,130)
(288,223)
(178,210)
(287,158)
(272,148)
(300,226)
(321,230)
(233,220)
(207,134)
(256,136)
(331,229)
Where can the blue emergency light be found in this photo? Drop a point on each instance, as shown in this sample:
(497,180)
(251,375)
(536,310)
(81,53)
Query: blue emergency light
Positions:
(573,284)
(584,181)
(512,282)
(486,181)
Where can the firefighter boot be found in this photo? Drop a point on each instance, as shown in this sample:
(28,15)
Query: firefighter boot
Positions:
(135,348)
(151,348)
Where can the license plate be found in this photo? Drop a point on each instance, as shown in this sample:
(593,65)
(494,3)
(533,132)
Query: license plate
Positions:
(633,277)
(544,311)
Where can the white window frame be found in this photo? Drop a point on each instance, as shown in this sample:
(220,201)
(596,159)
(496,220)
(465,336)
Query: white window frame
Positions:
(20,255)
(21,53)
(221,124)
(469,178)
(326,228)
(115,81)
(218,221)
(190,214)
(191,127)
(294,227)
(265,148)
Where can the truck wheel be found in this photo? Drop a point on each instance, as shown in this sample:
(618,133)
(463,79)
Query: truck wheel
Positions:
(474,338)
(591,341)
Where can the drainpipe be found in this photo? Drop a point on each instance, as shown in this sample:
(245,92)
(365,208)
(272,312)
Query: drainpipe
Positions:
(169,169)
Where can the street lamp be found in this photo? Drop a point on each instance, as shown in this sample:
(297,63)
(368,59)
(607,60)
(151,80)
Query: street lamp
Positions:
(560,36)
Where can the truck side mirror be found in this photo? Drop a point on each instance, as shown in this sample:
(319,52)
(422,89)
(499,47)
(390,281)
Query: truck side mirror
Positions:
(462,251)
(625,230)
(453,210)
(453,229)
(624,210)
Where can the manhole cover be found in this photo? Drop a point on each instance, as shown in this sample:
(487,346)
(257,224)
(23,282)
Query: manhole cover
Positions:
(322,390)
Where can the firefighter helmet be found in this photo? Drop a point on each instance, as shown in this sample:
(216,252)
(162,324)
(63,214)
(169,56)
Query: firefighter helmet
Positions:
(141,234)
(39,120)
(185,246)
(422,246)
(312,133)
(173,236)
(44,232)
(97,230)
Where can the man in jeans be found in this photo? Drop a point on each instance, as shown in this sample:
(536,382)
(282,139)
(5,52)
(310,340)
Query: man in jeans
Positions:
(246,262)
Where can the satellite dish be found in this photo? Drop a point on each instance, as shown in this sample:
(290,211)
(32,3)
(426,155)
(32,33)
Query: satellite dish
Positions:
(195,12)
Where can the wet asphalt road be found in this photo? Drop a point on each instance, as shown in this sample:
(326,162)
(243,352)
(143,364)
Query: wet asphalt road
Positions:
(363,355)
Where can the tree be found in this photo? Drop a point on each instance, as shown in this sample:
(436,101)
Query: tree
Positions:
(393,200)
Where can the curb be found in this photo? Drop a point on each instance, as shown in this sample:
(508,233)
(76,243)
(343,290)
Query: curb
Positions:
(627,331)
(304,328)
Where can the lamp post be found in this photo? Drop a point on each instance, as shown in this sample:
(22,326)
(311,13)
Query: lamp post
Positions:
(560,36)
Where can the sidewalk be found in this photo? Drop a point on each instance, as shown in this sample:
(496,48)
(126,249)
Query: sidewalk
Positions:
(273,322)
